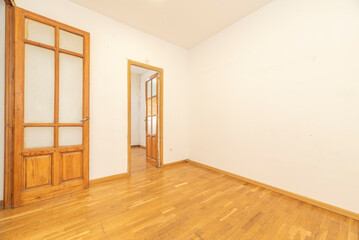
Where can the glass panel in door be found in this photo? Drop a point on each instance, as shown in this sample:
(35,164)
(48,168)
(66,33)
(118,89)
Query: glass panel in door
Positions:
(70,136)
(71,42)
(38,137)
(39,85)
(39,32)
(70,88)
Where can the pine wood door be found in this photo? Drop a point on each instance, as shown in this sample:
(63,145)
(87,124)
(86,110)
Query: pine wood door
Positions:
(152,120)
(51,101)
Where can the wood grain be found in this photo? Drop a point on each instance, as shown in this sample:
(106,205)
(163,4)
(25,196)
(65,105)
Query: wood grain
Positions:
(151,112)
(37,171)
(72,165)
(10,3)
(175,163)
(314,202)
(22,182)
(108,178)
(178,202)
(138,159)
(9,105)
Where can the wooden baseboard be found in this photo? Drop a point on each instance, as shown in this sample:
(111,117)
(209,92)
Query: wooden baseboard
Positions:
(144,147)
(108,178)
(314,202)
(175,163)
(1,204)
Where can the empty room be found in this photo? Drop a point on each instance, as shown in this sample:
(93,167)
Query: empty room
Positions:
(179,119)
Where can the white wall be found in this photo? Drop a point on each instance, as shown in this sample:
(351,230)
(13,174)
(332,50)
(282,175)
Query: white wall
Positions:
(2,94)
(135,108)
(144,78)
(112,43)
(275,97)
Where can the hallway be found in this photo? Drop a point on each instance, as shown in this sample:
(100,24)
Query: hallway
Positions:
(138,159)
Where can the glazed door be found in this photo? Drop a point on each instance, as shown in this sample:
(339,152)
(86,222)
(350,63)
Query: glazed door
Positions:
(51,129)
(152,120)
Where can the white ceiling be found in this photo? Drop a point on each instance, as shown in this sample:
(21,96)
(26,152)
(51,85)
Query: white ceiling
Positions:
(185,23)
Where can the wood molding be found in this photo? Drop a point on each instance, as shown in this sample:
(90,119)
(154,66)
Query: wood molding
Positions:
(175,163)
(10,3)
(108,178)
(1,204)
(128,117)
(9,106)
(160,116)
(311,201)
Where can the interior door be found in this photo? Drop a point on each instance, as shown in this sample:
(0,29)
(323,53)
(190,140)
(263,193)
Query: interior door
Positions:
(51,128)
(152,120)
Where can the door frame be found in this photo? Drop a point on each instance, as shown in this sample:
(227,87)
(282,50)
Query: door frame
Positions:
(159,118)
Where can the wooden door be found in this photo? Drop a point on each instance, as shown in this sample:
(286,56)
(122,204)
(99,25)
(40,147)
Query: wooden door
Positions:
(152,120)
(51,102)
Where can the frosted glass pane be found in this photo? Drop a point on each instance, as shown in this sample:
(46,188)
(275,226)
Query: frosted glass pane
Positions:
(154,86)
(149,107)
(70,136)
(148,125)
(38,137)
(148,89)
(71,42)
(70,89)
(39,32)
(154,106)
(154,124)
(39,85)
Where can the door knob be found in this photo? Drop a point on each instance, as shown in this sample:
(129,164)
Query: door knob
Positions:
(85,119)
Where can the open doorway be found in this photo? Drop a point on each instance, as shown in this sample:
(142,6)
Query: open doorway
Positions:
(144,116)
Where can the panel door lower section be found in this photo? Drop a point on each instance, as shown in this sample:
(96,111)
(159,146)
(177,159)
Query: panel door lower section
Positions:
(38,171)
(72,166)
(150,153)
(47,175)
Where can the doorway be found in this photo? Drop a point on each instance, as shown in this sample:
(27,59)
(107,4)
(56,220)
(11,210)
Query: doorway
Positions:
(145,125)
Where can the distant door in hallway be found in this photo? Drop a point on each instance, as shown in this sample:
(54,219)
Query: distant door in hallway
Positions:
(152,120)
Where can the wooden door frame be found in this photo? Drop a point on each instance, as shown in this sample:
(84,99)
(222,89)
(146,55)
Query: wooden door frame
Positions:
(9,104)
(160,117)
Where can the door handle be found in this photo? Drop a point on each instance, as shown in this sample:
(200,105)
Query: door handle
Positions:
(85,119)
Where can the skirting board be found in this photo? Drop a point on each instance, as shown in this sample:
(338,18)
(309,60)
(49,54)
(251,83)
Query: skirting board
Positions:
(1,204)
(314,202)
(175,163)
(108,178)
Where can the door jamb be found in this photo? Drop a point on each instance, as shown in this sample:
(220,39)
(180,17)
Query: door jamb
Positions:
(9,103)
(160,120)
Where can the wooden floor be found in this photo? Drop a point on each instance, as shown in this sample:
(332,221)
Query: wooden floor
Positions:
(178,202)
(138,159)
